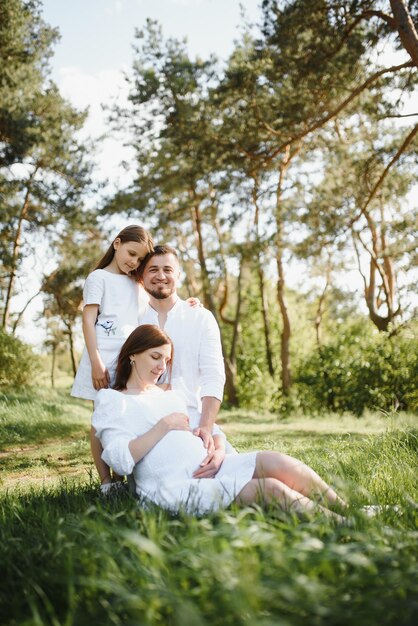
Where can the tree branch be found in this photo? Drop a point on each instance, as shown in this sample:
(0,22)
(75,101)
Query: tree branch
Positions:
(398,116)
(408,139)
(340,107)
(354,235)
(406,29)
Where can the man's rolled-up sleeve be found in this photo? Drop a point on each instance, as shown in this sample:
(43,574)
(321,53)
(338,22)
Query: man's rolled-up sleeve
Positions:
(211,363)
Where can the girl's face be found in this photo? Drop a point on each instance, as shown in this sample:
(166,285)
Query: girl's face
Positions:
(127,256)
(151,364)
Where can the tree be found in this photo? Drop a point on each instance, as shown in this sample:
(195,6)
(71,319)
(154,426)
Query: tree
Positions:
(362,195)
(309,67)
(178,183)
(217,145)
(43,168)
(25,47)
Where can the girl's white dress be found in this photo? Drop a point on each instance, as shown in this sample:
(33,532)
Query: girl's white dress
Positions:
(121,300)
(165,475)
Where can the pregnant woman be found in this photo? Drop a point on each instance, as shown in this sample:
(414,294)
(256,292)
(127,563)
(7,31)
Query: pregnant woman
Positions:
(144,428)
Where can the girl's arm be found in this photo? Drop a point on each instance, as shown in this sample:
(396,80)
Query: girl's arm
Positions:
(99,374)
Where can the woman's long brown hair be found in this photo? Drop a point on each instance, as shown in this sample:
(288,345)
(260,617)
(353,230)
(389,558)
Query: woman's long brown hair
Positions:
(143,338)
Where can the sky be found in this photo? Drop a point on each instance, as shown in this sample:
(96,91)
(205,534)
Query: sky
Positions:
(97,35)
(95,50)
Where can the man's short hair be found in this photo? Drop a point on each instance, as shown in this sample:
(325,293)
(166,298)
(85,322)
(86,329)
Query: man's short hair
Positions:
(164,248)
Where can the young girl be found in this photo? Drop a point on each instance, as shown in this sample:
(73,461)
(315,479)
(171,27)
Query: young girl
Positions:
(112,301)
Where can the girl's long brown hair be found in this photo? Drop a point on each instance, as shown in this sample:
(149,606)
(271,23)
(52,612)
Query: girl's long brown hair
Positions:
(130,233)
(143,338)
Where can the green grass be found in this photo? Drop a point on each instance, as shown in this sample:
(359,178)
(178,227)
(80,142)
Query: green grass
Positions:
(70,557)
(43,437)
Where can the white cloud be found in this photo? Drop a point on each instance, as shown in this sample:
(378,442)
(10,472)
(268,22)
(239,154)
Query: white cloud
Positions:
(93,90)
(115,8)
(187,3)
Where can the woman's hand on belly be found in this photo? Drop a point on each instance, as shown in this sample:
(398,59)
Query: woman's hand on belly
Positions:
(176,421)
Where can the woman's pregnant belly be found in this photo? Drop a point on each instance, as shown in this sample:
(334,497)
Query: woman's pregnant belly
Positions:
(177,455)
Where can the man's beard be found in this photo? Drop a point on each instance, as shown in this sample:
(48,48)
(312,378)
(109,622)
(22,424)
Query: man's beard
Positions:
(160,294)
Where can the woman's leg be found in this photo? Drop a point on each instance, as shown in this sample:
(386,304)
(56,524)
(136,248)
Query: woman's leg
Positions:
(296,475)
(267,490)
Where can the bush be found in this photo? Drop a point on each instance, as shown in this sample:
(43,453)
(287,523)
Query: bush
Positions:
(17,361)
(361,368)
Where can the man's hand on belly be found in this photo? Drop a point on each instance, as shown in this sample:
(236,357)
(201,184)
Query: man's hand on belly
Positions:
(206,436)
(210,466)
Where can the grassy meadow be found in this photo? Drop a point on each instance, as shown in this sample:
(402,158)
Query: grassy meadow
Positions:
(71,557)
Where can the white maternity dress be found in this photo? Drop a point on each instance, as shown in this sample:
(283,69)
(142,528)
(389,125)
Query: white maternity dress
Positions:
(121,300)
(165,475)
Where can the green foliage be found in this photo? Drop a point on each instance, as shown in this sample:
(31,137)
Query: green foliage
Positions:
(112,563)
(45,168)
(25,46)
(255,385)
(256,388)
(360,368)
(18,363)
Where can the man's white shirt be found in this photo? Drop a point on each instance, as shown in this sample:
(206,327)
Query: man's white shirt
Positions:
(198,366)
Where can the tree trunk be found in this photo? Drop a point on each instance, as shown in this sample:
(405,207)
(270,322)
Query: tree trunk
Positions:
(71,344)
(320,310)
(379,250)
(21,312)
(236,328)
(406,29)
(187,263)
(264,313)
(197,222)
(224,285)
(372,299)
(54,350)
(286,376)
(260,273)
(286,331)
(230,374)
(16,247)
(385,269)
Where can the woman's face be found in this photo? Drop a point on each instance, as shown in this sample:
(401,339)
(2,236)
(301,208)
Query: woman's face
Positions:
(128,255)
(152,363)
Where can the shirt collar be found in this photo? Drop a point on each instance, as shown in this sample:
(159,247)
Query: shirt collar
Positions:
(173,308)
